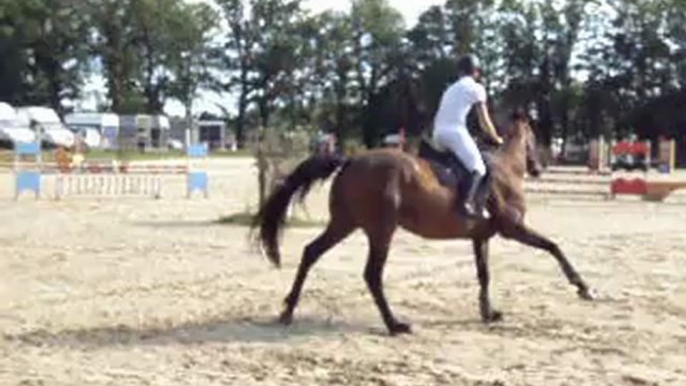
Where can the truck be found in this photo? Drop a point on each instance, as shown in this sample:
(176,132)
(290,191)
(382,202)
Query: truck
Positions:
(12,129)
(47,126)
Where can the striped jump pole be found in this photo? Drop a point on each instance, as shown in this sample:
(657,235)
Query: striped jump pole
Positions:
(110,184)
(25,177)
(108,179)
(666,156)
(630,156)
(197,178)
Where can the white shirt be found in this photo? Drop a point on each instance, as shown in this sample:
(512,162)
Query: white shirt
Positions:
(456,102)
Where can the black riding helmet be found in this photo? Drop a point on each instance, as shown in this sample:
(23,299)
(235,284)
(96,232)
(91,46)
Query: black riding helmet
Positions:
(468,64)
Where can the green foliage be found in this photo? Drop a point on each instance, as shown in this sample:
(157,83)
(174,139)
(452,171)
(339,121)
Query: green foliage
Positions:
(277,153)
(43,50)
(191,31)
(147,50)
(152,50)
(581,67)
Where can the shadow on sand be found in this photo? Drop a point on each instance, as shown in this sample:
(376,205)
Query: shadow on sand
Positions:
(177,224)
(211,331)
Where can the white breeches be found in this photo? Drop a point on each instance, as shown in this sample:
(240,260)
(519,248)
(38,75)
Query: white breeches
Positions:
(460,142)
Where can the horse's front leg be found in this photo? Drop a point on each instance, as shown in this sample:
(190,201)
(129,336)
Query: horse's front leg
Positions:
(520,232)
(488,314)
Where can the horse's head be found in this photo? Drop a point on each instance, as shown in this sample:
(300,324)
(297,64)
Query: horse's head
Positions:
(520,130)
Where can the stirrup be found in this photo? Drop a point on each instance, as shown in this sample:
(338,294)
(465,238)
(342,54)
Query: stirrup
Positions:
(472,205)
(475,213)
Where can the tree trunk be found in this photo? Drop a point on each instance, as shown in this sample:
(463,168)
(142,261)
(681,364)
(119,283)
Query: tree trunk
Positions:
(116,86)
(543,101)
(339,126)
(262,166)
(242,106)
(264,112)
(189,120)
(152,91)
(240,122)
(55,87)
(113,52)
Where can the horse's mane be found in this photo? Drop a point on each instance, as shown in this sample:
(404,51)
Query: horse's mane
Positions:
(503,183)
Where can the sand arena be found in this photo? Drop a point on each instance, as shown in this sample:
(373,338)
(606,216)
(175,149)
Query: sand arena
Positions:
(135,291)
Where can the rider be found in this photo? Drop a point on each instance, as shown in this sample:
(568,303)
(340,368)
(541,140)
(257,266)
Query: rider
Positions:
(450,128)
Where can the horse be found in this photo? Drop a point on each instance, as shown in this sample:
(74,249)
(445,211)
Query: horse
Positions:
(381,190)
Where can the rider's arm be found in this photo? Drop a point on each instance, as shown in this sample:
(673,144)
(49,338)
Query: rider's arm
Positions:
(484,117)
(486,123)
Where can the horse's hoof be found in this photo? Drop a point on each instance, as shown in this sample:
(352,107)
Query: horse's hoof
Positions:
(585,294)
(399,328)
(492,317)
(286,318)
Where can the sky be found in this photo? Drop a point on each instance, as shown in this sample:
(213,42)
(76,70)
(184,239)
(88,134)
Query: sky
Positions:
(411,9)
(206,101)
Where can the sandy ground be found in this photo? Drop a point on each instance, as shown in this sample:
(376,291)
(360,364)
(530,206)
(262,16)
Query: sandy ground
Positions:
(138,291)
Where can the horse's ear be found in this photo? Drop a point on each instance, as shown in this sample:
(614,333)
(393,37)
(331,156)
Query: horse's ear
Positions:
(501,130)
(519,114)
(506,130)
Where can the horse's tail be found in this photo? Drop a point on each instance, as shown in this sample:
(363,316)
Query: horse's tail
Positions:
(272,215)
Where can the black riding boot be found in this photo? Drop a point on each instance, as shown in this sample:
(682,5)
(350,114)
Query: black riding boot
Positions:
(473,206)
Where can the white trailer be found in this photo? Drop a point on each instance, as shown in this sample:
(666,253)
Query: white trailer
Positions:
(12,129)
(46,124)
(98,129)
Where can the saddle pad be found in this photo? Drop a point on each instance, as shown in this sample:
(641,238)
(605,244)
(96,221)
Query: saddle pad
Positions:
(447,168)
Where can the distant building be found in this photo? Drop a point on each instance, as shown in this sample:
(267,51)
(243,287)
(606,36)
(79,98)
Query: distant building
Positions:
(144,132)
(214,132)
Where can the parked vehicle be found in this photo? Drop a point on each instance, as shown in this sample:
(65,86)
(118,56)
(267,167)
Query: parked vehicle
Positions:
(174,144)
(12,129)
(46,124)
(576,150)
(97,129)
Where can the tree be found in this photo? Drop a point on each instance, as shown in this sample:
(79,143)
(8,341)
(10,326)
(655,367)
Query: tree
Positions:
(331,72)
(540,39)
(237,58)
(114,44)
(581,67)
(45,51)
(276,54)
(430,39)
(154,40)
(470,31)
(191,31)
(430,48)
(377,31)
(521,52)
(13,66)
(637,63)
(263,55)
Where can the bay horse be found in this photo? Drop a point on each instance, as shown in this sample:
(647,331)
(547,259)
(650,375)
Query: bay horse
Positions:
(380,190)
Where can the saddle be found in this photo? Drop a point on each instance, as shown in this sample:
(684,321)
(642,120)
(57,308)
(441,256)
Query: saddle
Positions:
(449,170)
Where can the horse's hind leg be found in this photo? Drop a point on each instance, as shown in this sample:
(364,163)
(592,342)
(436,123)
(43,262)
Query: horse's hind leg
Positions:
(381,222)
(373,274)
(525,235)
(335,232)
(488,314)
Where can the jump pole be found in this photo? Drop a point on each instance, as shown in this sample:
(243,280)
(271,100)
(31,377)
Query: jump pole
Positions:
(27,178)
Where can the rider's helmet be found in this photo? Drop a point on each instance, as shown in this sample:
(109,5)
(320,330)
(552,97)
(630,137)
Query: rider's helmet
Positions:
(468,64)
